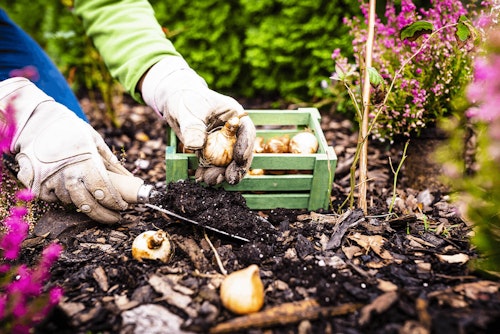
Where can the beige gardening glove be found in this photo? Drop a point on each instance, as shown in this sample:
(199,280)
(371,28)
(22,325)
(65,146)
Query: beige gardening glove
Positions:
(60,156)
(192,110)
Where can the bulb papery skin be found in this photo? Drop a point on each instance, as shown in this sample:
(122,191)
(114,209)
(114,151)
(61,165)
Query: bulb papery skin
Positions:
(304,143)
(152,245)
(259,145)
(277,145)
(242,291)
(218,150)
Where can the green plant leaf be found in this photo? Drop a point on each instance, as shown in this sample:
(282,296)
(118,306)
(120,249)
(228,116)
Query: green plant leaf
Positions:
(415,30)
(463,32)
(375,78)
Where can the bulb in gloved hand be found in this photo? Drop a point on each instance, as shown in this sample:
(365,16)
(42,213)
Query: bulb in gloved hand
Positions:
(218,150)
(242,291)
(152,245)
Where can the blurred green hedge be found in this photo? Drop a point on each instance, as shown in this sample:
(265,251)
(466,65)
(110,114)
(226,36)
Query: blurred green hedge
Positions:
(278,49)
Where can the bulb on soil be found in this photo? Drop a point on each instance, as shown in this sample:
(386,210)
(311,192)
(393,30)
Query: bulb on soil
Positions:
(152,245)
(242,291)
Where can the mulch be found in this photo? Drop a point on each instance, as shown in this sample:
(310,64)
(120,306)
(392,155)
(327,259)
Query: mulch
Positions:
(327,271)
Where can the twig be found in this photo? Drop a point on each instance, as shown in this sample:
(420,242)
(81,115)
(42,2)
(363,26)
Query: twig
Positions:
(284,314)
(217,257)
(396,172)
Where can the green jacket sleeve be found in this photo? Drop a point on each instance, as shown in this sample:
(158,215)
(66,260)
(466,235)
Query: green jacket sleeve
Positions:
(127,35)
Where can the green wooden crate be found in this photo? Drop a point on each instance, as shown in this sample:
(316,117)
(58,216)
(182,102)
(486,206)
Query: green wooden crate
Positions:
(307,179)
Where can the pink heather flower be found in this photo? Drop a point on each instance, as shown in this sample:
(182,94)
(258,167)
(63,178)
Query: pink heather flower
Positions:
(25,195)
(472,112)
(28,72)
(482,70)
(55,295)
(485,89)
(20,308)
(51,253)
(3,303)
(4,267)
(18,212)
(21,329)
(17,230)
(24,283)
(7,128)
(335,53)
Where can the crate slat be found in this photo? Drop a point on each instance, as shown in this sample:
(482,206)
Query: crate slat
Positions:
(305,181)
(288,182)
(273,201)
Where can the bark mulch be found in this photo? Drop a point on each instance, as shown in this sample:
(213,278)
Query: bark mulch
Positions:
(323,271)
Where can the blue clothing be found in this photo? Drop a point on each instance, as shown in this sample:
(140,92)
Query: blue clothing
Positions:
(20,53)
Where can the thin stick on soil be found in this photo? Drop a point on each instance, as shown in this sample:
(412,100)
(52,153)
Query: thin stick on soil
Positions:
(217,257)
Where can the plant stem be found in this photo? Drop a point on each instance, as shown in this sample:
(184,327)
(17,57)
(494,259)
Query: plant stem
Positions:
(363,161)
(396,172)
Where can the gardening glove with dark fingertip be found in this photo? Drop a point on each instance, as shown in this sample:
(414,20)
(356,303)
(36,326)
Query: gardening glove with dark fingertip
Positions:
(210,175)
(60,156)
(192,110)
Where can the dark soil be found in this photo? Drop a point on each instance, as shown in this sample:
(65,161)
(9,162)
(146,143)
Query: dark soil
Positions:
(323,272)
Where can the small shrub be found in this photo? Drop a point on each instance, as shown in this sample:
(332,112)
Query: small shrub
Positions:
(425,89)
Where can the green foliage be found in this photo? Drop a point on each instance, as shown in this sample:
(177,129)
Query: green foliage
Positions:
(413,31)
(476,190)
(61,35)
(472,155)
(279,49)
(288,44)
(209,35)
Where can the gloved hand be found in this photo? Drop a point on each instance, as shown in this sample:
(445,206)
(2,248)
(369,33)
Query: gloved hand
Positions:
(60,156)
(192,110)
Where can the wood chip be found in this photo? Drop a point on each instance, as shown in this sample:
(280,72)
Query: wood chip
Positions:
(100,277)
(195,253)
(457,258)
(379,305)
(172,297)
(152,318)
(350,219)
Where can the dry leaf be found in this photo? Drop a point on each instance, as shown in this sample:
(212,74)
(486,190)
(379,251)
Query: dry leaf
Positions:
(373,242)
(351,251)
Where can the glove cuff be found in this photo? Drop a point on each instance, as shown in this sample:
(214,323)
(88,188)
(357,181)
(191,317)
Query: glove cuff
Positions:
(159,73)
(21,96)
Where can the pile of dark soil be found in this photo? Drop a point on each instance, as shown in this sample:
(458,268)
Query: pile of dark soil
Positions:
(323,272)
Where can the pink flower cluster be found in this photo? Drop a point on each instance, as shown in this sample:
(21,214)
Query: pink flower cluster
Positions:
(424,90)
(7,128)
(23,302)
(484,92)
